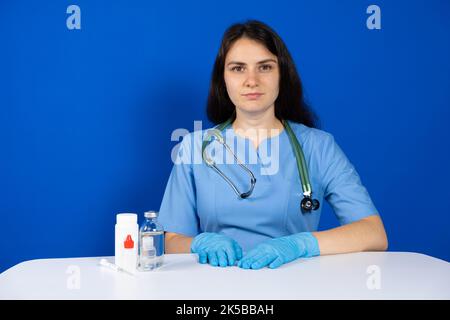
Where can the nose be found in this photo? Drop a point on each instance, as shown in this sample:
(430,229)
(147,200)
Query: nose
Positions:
(252,79)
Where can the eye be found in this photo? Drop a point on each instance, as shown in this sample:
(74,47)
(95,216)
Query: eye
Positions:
(265,67)
(237,68)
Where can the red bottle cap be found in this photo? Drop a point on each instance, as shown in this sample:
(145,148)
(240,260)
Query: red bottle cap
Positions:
(128,243)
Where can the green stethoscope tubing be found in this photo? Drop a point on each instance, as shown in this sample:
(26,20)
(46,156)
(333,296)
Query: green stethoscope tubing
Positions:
(300,159)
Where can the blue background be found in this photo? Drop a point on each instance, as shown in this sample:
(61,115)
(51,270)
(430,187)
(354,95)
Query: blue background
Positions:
(86,115)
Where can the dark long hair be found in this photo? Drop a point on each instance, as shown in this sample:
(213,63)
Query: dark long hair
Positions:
(290,103)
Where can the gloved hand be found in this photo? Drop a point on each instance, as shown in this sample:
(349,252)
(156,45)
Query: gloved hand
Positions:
(278,251)
(217,249)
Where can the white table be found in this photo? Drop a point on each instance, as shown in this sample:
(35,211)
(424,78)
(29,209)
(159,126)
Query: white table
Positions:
(365,275)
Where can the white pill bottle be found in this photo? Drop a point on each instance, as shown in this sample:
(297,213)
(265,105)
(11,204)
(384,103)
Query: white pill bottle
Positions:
(126,239)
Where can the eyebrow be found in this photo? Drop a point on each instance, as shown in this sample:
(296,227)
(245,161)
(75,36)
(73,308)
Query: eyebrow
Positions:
(243,63)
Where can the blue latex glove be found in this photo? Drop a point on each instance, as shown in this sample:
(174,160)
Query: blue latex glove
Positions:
(278,251)
(217,249)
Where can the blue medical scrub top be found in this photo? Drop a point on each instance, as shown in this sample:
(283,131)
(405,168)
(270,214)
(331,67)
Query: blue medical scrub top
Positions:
(198,200)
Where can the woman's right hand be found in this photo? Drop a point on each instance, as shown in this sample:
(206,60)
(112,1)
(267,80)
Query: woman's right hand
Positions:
(216,249)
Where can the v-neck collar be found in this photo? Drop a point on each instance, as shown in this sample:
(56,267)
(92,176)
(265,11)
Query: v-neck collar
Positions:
(247,140)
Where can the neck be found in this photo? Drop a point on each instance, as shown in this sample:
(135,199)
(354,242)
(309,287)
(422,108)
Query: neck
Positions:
(257,126)
(264,120)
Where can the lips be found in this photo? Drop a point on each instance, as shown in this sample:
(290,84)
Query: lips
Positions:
(253,95)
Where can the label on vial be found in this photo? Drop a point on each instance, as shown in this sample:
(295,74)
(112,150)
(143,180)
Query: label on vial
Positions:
(147,243)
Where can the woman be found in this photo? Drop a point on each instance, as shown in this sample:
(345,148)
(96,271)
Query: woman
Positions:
(255,86)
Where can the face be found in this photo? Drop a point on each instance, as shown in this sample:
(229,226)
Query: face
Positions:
(251,76)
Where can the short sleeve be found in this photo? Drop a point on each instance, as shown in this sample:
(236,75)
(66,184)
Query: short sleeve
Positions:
(343,189)
(178,212)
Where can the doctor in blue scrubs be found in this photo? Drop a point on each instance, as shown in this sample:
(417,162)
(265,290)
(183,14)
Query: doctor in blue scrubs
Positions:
(256,89)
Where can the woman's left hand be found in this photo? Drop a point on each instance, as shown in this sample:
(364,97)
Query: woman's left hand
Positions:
(278,251)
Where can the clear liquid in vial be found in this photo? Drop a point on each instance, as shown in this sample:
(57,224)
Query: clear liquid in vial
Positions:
(151,250)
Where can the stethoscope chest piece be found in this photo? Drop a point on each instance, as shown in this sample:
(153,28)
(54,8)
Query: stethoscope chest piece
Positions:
(307,204)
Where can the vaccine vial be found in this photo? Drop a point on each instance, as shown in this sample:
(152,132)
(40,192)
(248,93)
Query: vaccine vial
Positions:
(151,242)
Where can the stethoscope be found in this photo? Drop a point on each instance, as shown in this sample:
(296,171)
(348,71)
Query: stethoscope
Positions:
(307,204)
